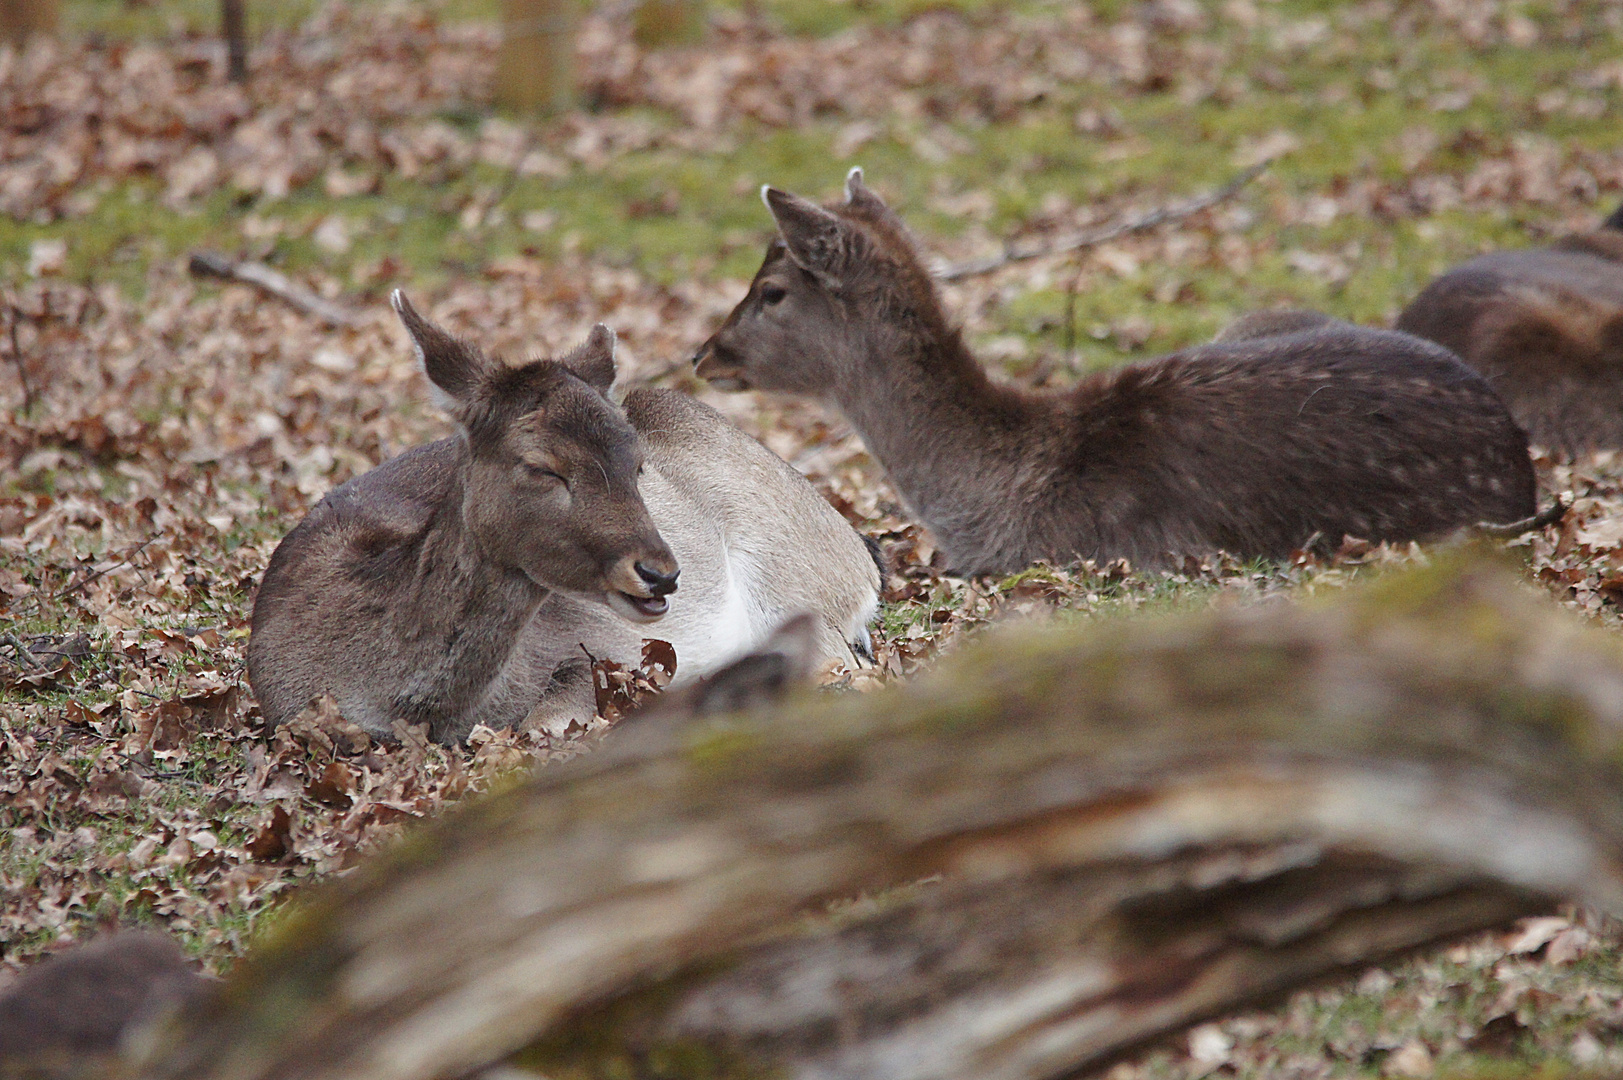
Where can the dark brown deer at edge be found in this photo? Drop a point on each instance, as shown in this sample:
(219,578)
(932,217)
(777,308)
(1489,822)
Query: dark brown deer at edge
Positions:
(1545,327)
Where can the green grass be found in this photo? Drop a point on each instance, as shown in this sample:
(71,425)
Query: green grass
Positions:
(1347,128)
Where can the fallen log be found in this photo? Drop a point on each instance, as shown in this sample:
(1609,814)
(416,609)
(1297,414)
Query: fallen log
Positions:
(1067,841)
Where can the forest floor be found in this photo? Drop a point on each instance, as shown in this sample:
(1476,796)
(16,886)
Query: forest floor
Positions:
(160,432)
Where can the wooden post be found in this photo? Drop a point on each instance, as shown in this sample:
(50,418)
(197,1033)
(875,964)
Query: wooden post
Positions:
(20,18)
(663,23)
(234,26)
(535,70)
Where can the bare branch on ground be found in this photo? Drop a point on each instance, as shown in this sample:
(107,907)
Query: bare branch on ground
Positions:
(274,282)
(1161,215)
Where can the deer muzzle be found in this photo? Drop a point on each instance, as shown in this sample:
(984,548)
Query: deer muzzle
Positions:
(723,374)
(638,587)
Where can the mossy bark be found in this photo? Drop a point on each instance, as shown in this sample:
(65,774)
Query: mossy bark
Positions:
(1074,840)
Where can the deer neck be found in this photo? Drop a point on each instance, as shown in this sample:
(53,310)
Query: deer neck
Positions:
(462,615)
(954,442)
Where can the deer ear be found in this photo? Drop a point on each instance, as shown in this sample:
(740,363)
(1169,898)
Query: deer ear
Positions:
(593,362)
(454,367)
(860,195)
(815,238)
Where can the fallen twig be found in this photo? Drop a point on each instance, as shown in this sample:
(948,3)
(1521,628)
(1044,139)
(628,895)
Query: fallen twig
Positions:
(39,599)
(278,284)
(24,654)
(1013,252)
(17,358)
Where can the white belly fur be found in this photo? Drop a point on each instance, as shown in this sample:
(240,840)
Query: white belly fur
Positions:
(708,631)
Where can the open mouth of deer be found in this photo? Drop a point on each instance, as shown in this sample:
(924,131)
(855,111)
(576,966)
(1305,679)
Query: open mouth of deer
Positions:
(638,608)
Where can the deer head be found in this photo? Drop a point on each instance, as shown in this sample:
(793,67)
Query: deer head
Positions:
(835,285)
(551,489)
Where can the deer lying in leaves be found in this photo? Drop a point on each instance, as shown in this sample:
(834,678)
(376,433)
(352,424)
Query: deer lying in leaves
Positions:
(1257,446)
(470,581)
(1545,326)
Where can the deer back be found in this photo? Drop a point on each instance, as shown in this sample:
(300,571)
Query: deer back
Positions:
(327,593)
(1262,443)
(1545,326)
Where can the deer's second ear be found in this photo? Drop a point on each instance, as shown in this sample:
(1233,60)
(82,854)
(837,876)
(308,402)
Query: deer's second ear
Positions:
(817,240)
(860,195)
(454,367)
(593,362)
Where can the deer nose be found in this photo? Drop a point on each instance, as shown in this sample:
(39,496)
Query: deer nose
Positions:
(658,584)
(699,356)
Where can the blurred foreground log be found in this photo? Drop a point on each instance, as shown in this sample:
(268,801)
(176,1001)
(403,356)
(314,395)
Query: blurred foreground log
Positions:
(1071,840)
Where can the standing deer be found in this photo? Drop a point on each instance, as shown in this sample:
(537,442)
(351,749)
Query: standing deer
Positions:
(1545,326)
(1256,446)
(466,581)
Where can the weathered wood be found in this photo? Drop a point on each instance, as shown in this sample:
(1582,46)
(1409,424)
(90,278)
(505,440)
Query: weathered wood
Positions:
(68,1015)
(1073,840)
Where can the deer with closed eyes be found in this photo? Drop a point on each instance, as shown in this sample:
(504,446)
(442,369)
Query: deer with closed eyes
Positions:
(471,581)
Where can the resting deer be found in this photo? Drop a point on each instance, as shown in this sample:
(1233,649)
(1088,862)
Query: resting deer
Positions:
(1257,447)
(1545,326)
(757,545)
(466,581)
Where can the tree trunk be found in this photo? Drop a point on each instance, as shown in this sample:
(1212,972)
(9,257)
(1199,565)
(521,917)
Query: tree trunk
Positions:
(20,18)
(234,28)
(535,69)
(1066,841)
(658,24)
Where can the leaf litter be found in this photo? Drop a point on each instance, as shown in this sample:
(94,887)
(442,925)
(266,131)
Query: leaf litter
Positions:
(176,434)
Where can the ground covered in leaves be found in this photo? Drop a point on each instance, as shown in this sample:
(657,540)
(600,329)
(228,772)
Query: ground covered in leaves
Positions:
(159,432)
